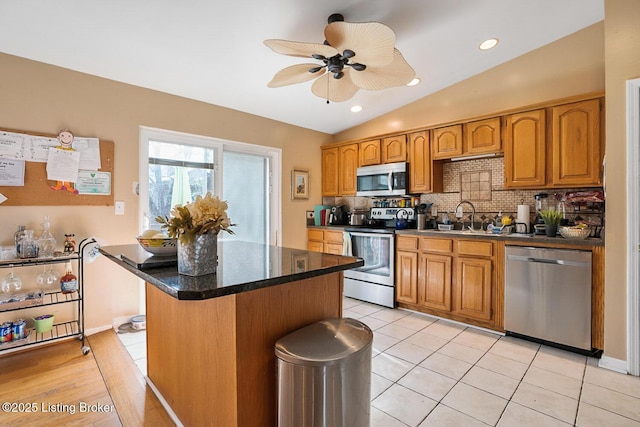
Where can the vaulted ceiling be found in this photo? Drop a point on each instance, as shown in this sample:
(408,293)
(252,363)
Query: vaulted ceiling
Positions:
(213,51)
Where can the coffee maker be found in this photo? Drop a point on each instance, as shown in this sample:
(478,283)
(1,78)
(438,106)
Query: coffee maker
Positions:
(542,203)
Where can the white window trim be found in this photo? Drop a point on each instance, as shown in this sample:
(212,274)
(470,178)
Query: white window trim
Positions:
(220,145)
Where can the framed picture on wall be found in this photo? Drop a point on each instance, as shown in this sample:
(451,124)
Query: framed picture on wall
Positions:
(299,184)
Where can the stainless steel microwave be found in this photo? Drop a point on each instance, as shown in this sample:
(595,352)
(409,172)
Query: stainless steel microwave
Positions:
(390,179)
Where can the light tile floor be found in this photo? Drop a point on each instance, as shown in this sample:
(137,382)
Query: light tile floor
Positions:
(432,372)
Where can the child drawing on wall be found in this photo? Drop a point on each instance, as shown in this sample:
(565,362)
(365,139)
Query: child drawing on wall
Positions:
(65,137)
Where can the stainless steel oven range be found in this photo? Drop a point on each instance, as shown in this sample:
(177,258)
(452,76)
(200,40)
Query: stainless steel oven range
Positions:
(374,281)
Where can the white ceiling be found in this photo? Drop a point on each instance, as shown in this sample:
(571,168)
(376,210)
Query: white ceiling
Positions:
(212,50)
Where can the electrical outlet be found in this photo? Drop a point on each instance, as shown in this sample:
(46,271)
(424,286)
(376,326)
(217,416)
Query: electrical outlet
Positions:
(119,208)
(311,215)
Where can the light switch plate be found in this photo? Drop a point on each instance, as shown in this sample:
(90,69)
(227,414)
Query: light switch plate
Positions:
(119,208)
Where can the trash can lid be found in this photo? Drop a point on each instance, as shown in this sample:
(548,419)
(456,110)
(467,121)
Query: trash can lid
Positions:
(325,342)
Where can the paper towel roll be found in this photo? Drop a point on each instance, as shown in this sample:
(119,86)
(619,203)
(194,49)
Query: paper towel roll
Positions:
(523,215)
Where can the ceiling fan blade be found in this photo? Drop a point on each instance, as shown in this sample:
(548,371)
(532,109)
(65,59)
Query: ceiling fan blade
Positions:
(397,73)
(300,49)
(295,74)
(372,42)
(336,90)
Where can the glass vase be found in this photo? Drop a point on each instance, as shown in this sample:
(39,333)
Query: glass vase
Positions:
(199,257)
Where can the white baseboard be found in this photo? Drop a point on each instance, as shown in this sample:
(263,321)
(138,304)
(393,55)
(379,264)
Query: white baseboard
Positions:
(613,364)
(92,331)
(164,403)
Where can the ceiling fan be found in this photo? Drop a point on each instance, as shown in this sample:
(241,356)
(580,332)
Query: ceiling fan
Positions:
(354,56)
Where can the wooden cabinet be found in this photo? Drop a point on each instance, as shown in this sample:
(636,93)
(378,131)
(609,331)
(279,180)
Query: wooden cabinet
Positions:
(339,166)
(482,137)
(447,142)
(347,166)
(424,175)
(330,171)
(370,153)
(320,240)
(525,150)
(394,149)
(407,277)
(576,149)
(448,277)
(434,278)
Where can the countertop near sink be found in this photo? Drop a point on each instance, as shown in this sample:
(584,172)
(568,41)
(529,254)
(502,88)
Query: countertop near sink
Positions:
(514,237)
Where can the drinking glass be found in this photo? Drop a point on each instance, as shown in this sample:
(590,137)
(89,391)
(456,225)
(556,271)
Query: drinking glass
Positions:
(11,282)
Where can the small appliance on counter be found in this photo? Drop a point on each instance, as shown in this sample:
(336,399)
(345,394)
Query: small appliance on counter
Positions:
(358,217)
(339,215)
(542,203)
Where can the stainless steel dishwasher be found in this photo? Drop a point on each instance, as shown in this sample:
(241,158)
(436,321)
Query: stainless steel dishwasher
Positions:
(548,295)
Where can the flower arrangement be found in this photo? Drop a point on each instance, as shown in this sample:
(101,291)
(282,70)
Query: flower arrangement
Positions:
(203,215)
(551,216)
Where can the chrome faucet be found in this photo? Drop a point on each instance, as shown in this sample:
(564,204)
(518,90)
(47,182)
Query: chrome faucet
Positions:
(473,211)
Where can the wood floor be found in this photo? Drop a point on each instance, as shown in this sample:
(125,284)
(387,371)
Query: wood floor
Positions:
(57,385)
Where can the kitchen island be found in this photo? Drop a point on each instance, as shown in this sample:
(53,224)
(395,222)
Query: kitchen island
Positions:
(210,339)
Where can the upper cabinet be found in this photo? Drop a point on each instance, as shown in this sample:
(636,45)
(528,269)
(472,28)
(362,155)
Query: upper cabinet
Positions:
(347,165)
(424,175)
(330,173)
(370,152)
(394,149)
(339,166)
(482,137)
(447,142)
(525,150)
(576,153)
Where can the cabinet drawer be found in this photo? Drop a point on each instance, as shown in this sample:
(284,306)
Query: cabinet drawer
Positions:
(315,235)
(333,237)
(406,243)
(436,245)
(475,248)
(315,246)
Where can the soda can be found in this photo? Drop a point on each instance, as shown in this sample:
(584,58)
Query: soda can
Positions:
(19,328)
(6,332)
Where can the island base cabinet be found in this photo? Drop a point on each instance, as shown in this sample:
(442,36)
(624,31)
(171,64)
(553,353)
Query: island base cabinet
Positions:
(213,360)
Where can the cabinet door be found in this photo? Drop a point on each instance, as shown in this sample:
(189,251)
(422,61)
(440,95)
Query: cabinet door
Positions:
(482,137)
(348,165)
(333,248)
(406,277)
(576,145)
(370,153)
(434,282)
(525,150)
(447,142)
(424,176)
(330,174)
(394,149)
(473,287)
(315,246)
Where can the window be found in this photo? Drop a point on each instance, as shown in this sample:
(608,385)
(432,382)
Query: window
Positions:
(177,167)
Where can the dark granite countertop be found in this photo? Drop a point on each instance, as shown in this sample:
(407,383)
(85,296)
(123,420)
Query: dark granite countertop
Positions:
(514,237)
(242,267)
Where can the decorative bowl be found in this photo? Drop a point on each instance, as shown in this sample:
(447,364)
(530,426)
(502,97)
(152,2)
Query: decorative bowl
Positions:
(575,232)
(162,246)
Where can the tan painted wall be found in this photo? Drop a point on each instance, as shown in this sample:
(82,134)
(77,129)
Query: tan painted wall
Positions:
(571,66)
(622,57)
(44,98)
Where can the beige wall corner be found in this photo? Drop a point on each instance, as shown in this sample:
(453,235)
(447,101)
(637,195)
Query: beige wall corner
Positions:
(622,44)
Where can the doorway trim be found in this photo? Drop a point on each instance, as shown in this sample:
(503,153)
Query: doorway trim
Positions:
(633,227)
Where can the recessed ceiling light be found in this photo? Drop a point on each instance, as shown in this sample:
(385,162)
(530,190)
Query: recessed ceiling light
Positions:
(488,44)
(356,109)
(414,82)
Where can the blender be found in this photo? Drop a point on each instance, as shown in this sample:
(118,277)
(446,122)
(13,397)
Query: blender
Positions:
(542,203)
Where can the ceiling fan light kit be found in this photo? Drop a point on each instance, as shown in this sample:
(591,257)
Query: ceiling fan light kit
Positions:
(354,56)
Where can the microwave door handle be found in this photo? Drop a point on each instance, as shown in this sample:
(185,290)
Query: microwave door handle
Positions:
(390,177)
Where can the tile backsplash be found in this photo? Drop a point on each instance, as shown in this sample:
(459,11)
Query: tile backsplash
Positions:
(458,179)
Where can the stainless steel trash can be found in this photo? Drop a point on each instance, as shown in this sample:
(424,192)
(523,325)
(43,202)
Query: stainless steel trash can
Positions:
(324,375)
